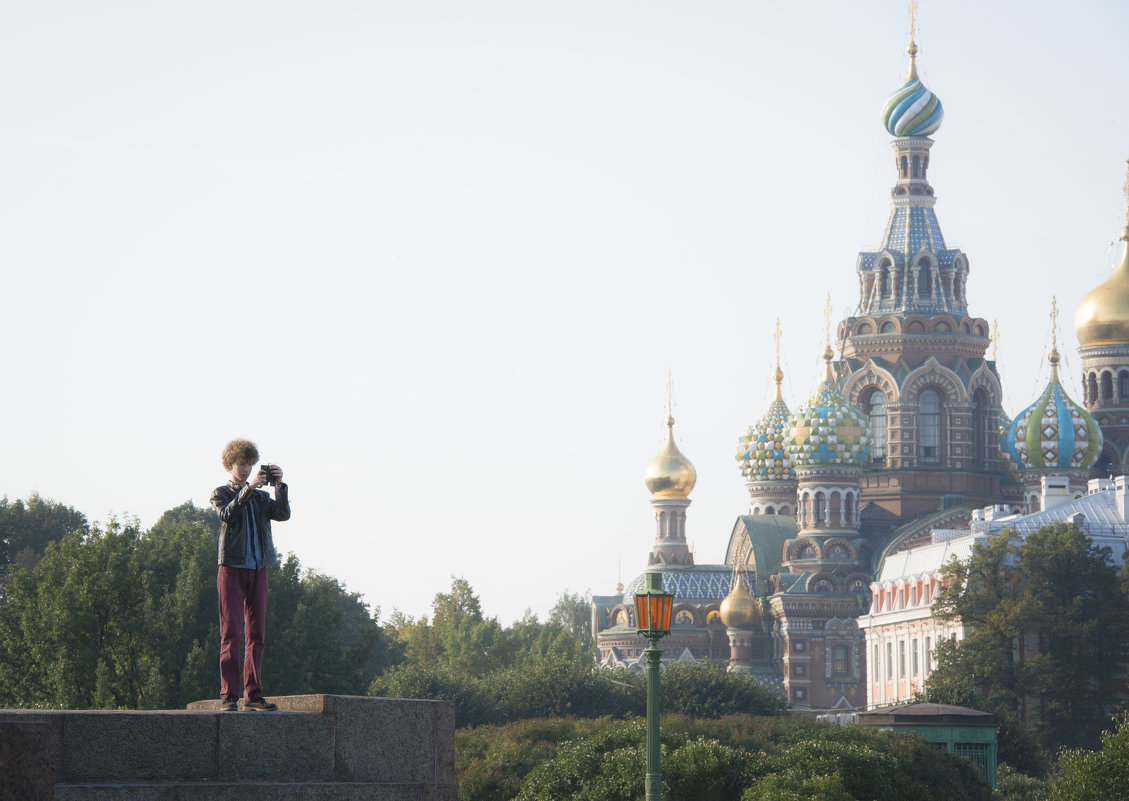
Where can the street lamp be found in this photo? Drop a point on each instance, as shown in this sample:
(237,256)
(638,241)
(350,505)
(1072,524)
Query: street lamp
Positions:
(652,614)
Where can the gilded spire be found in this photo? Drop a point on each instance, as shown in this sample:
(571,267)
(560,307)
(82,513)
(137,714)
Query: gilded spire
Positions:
(669,398)
(912,49)
(828,353)
(1053,358)
(1125,189)
(778,374)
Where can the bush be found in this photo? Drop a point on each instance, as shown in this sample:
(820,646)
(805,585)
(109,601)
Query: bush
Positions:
(610,765)
(1014,786)
(722,759)
(709,691)
(1096,775)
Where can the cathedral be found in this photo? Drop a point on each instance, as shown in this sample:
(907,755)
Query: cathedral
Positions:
(903,458)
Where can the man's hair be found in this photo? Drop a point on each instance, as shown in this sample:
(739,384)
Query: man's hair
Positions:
(239,451)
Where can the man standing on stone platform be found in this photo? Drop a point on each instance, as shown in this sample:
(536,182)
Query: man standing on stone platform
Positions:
(246,549)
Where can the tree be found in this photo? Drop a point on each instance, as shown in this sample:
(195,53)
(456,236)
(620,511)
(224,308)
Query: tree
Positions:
(120,618)
(573,611)
(1096,775)
(27,528)
(1048,630)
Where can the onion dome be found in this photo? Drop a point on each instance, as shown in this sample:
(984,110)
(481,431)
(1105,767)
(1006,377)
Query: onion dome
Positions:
(1054,431)
(740,610)
(761,450)
(912,110)
(1103,315)
(670,474)
(828,429)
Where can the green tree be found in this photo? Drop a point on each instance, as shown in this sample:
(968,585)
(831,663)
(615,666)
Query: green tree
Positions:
(117,617)
(321,637)
(1048,624)
(27,528)
(573,612)
(1096,775)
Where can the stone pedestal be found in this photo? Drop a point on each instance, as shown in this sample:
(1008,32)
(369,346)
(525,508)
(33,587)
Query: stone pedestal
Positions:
(315,748)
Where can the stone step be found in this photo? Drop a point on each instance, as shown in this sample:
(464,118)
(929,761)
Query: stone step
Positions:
(314,747)
(254,791)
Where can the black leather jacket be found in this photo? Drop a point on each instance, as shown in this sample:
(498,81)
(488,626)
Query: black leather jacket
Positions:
(232,504)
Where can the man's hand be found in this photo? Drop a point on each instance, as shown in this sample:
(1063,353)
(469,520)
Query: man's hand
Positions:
(258,480)
(276,472)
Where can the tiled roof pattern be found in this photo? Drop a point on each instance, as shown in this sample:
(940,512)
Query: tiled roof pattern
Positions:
(697,583)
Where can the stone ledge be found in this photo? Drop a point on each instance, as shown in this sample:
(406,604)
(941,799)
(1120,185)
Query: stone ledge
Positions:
(314,747)
(256,791)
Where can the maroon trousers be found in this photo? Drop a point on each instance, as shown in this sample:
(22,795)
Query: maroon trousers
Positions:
(243,609)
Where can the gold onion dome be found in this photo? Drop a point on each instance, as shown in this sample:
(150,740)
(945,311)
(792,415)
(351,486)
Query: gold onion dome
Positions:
(1103,315)
(740,610)
(670,474)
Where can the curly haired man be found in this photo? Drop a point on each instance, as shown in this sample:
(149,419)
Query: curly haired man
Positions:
(246,549)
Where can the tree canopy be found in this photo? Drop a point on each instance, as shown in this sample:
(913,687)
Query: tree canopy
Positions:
(1048,631)
(112,616)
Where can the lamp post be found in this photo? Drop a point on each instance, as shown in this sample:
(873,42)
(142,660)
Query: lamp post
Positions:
(652,613)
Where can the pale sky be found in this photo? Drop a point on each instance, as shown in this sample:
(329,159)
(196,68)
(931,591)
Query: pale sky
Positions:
(437,257)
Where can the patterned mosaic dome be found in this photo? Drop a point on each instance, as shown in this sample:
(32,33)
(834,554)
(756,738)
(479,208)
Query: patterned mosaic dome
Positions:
(912,110)
(761,451)
(1054,431)
(828,430)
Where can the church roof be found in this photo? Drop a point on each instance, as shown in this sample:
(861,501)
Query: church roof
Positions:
(767,535)
(693,582)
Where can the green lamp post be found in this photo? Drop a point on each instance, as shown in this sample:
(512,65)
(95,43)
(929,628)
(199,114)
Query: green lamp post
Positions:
(652,614)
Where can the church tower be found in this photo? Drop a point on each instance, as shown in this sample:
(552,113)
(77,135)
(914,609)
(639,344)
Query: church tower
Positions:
(912,356)
(825,568)
(1102,326)
(670,477)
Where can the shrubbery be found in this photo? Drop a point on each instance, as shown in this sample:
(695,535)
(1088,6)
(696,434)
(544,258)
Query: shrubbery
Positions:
(550,688)
(734,758)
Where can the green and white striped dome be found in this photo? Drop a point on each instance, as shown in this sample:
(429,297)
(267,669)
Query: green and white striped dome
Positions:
(1054,431)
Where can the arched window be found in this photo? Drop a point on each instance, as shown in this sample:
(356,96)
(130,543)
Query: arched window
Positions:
(876,407)
(925,281)
(1123,385)
(930,424)
(981,429)
(916,165)
(768,510)
(1107,387)
(1093,388)
(820,508)
(905,167)
(849,509)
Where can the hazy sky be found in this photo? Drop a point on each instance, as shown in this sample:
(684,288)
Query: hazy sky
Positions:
(437,257)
